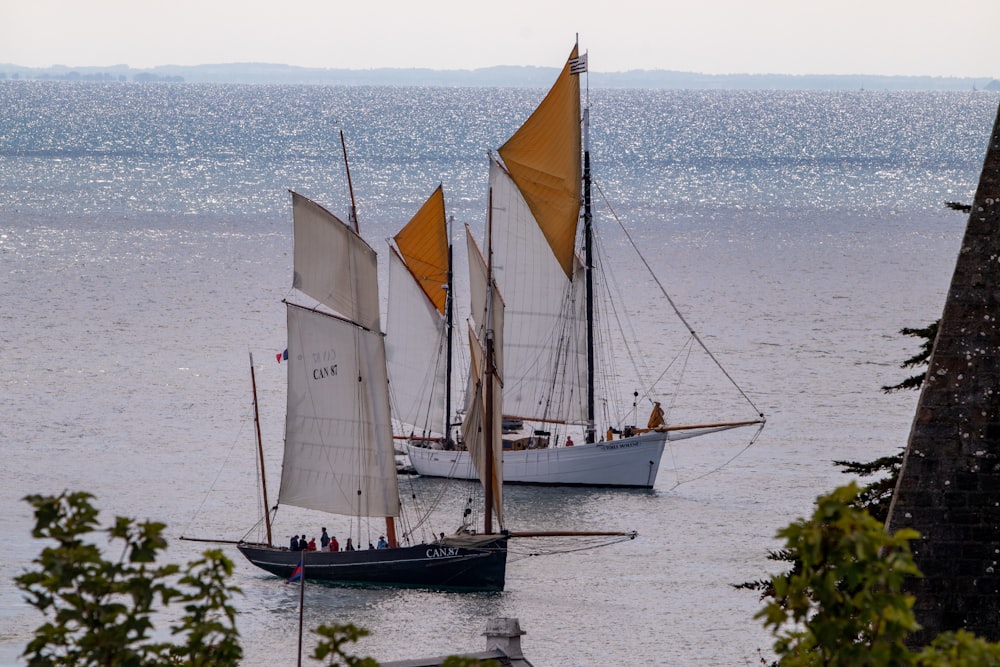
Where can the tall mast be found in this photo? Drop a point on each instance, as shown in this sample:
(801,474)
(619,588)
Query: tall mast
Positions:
(260,452)
(488,378)
(588,242)
(449,314)
(350,187)
(390,522)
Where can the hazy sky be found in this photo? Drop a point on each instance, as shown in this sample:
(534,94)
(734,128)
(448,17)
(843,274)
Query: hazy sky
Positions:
(932,37)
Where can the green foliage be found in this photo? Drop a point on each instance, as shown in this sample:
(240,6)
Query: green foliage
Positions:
(928,334)
(959,649)
(876,496)
(331,647)
(843,604)
(100,612)
(457,661)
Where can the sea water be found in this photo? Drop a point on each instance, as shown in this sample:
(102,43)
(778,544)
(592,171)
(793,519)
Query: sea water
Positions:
(145,247)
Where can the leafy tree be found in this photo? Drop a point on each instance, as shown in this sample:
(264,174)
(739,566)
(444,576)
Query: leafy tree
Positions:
(100,611)
(331,646)
(843,604)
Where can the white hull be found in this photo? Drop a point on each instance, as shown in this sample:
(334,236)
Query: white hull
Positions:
(630,462)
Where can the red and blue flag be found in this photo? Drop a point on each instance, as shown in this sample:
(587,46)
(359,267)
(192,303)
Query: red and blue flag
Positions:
(296,573)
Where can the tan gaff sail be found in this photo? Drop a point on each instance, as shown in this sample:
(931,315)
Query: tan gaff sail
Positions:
(544,159)
(473,426)
(485,299)
(423,243)
(333,264)
(416,338)
(338,436)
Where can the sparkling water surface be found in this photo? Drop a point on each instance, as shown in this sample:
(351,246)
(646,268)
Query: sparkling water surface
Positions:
(145,246)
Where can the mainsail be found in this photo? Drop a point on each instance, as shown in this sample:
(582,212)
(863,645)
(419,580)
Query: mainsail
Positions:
(338,436)
(338,432)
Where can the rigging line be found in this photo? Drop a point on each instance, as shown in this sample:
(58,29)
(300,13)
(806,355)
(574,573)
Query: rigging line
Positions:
(673,397)
(725,464)
(677,311)
(218,473)
(520,555)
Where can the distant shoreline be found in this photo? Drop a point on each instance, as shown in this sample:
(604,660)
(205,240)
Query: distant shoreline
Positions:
(502,76)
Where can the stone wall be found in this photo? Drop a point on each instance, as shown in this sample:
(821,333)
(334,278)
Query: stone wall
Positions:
(949,485)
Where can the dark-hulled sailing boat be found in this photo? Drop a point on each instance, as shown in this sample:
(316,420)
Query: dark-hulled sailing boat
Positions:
(339,455)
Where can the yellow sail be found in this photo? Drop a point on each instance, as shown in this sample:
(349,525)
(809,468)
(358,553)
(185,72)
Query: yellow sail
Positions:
(423,243)
(543,158)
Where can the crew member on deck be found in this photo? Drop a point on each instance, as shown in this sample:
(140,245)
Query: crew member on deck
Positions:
(294,545)
(324,540)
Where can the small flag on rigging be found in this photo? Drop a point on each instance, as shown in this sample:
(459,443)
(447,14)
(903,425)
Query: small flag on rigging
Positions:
(578,65)
(282,356)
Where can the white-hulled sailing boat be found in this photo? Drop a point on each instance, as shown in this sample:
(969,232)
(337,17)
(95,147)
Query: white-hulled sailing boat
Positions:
(339,454)
(537,184)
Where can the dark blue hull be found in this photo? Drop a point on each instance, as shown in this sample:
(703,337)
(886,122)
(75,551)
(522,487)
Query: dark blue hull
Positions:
(481,566)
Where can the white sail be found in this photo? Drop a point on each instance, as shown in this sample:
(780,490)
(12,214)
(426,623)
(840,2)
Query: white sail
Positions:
(416,348)
(477,279)
(338,436)
(333,264)
(545,354)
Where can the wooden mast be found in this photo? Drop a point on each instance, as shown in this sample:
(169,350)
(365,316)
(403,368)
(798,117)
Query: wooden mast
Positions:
(260,452)
(488,378)
(588,244)
(449,322)
(350,187)
(390,523)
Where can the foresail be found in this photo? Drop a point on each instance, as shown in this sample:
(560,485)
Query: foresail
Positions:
(416,349)
(333,264)
(338,437)
(545,353)
(544,157)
